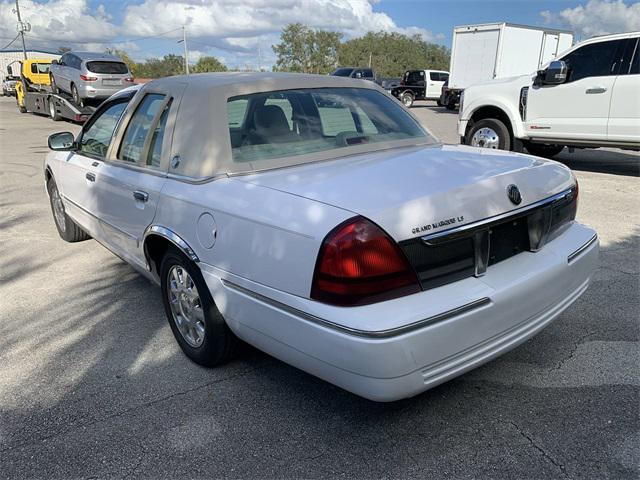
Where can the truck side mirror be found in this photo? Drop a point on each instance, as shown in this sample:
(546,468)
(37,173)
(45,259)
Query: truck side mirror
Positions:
(555,73)
(62,142)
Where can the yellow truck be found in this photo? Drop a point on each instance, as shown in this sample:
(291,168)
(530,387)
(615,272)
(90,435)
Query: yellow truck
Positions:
(34,93)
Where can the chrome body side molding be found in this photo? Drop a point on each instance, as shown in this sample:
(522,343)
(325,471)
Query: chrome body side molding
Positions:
(372,334)
(173,237)
(577,253)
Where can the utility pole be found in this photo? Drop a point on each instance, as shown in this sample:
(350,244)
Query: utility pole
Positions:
(22,27)
(259,58)
(370,54)
(186,53)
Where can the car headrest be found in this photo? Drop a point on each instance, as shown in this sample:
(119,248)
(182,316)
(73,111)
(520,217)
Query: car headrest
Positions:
(271,120)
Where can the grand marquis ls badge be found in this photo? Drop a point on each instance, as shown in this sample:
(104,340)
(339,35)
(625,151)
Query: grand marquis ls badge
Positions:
(514,194)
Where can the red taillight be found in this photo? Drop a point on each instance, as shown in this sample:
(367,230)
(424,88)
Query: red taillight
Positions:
(129,79)
(87,78)
(360,264)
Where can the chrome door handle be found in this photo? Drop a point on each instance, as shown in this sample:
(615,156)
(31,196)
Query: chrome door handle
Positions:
(90,176)
(595,90)
(141,196)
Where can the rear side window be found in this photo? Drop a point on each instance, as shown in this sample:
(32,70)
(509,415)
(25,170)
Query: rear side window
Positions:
(367,73)
(117,68)
(40,68)
(594,60)
(155,148)
(434,76)
(141,123)
(97,137)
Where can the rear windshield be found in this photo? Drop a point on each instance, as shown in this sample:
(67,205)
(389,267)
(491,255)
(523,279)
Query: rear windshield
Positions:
(289,123)
(107,67)
(342,72)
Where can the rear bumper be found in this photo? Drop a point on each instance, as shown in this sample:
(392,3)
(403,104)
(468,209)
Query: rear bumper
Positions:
(464,324)
(100,91)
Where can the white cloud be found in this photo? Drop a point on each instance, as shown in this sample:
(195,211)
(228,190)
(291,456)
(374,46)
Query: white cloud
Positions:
(58,22)
(242,29)
(237,24)
(597,17)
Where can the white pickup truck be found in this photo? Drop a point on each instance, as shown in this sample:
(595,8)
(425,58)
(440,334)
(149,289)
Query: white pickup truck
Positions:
(588,98)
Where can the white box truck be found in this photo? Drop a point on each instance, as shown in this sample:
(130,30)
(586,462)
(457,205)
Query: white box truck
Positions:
(499,50)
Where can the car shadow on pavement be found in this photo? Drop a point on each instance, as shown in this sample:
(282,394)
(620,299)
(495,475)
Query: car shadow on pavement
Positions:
(104,391)
(616,162)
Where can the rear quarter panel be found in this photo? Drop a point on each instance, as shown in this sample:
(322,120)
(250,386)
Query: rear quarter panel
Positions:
(262,235)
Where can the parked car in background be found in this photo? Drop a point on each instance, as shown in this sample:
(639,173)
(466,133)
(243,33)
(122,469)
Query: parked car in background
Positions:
(355,72)
(589,97)
(87,75)
(322,224)
(9,85)
(499,50)
(389,83)
(420,85)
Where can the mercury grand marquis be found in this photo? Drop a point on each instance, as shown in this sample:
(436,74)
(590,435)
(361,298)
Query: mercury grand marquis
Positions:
(314,218)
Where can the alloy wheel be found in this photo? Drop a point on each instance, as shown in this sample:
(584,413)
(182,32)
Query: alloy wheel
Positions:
(186,306)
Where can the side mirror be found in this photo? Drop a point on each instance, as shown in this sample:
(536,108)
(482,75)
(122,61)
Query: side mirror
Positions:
(359,75)
(555,73)
(62,142)
(54,62)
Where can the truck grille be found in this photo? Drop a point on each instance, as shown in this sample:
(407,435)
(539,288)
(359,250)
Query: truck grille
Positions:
(466,251)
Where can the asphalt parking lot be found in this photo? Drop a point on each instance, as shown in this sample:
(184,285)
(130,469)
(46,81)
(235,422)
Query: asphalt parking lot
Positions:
(93,384)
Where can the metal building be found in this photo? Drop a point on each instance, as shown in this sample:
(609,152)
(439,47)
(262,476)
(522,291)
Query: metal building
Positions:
(9,56)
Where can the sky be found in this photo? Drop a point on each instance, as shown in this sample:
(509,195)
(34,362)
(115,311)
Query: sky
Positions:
(241,32)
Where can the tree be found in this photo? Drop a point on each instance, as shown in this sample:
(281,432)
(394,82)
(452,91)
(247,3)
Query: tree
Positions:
(305,50)
(209,64)
(393,53)
(62,50)
(161,67)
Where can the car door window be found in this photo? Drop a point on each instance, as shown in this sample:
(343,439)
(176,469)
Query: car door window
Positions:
(628,58)
(155,148)
(594,60)
(96,138)
(434,76)
(140,125)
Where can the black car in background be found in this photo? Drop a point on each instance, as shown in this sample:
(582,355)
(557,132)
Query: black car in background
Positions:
(364,73)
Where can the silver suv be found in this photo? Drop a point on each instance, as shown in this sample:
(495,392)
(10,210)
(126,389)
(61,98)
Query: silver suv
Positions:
(87,75)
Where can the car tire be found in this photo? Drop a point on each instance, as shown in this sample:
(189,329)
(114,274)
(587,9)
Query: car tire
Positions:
(53,112)
(196,322)
(54,87)
(543,150)
(489,133)
(68,230)
(407,99)
(76,96)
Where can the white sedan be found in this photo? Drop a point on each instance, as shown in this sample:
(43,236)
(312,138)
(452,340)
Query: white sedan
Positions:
(314,218)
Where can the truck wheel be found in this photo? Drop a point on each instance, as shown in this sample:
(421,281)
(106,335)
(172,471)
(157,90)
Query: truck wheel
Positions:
(54,87)
(543,150)
(407,99)
(195,321)
(439,103)
(53,112)
(68,230)
(76,96)
(489,133)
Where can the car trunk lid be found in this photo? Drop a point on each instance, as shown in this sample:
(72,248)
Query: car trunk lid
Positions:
(418,191)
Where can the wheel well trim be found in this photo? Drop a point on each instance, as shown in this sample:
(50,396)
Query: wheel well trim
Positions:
(514,125)
(171,236)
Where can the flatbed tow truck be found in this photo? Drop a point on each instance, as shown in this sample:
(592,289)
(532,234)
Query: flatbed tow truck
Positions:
(34,94)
